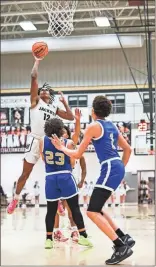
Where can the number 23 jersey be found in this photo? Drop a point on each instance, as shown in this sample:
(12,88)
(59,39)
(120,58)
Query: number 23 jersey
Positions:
(40,114)
(106,145)
(55,160)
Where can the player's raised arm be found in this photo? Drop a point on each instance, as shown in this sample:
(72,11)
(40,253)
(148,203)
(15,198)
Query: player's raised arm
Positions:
(67,114)
(83,171)
(34,85)
(71,146)
(126,149)
(76,134)
(93,131)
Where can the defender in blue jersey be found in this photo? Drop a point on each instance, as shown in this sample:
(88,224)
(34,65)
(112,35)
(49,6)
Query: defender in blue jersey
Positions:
(60,183)
(105,138)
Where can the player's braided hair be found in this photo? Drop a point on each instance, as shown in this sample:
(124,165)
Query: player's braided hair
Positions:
(102,106)
(49,88)
(54,126)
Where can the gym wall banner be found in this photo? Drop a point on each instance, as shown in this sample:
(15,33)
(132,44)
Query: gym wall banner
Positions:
(14,124)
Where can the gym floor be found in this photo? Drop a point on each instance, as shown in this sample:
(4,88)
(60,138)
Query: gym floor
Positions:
(23,236)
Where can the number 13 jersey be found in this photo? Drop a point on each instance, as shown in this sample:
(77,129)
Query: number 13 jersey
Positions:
(106,145)
(39,115)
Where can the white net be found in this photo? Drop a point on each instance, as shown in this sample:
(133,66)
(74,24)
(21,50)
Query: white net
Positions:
(60,15)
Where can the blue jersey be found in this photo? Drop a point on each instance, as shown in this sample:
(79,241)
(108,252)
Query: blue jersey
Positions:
(106,145)
(55,160)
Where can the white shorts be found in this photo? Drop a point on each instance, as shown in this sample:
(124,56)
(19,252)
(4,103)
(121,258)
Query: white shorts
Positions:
(32,153)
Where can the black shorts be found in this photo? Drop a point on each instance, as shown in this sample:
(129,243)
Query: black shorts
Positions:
(98,199)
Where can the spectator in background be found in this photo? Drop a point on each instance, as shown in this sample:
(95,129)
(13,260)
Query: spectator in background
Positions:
(23,137)
(112,200)
(85,194)
(3,138)
(24,197)
(90,190)
(3,198)
(36,193)
(14,189)
(17,118)
(2,191)
(123,188)
(143,192)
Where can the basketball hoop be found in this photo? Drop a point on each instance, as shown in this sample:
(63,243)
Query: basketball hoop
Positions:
(61,14)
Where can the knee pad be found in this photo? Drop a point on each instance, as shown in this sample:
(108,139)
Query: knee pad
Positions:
(98,199)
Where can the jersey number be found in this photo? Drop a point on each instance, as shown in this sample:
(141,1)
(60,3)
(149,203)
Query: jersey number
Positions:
(112,141)
(50,158)
(46,116)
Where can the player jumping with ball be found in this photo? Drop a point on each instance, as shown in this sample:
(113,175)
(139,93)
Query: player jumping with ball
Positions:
(105,138)
(43,107)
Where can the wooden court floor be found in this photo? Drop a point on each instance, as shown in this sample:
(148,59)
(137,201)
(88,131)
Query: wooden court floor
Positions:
(23,236)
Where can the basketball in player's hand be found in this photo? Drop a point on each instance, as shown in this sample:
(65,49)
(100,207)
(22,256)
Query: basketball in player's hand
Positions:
(39,50)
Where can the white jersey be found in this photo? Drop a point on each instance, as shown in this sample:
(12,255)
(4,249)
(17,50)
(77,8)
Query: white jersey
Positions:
(22,139)
(37,191)
(39,115)
(4,140)
(16,140)
(77,171)
(10,141)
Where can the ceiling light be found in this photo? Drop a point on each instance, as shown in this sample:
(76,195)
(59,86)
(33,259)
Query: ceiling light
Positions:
(102,22)
(27,26)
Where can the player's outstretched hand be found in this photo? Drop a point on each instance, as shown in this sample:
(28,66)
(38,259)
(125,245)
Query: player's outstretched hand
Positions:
(62,98)
(58,143)
(78,114)
(37,61)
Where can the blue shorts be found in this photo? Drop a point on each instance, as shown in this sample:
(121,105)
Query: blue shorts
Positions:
(60,186)
(111,175)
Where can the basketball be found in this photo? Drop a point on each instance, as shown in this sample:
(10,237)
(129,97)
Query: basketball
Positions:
(40,50)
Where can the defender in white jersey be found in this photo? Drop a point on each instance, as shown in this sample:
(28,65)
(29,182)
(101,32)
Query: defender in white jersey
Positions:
(43,107)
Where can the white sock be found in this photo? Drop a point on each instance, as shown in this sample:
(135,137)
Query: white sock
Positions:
(56,229)
(85,206)
(16,197)
(74,228)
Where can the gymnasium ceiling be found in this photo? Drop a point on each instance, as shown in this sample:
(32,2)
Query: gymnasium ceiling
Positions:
(129,19)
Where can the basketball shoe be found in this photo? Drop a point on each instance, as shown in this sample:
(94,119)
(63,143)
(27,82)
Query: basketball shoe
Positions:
(12,206)
(58,236)
(75,236)
(84,241)
(48,244)
(120,254)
